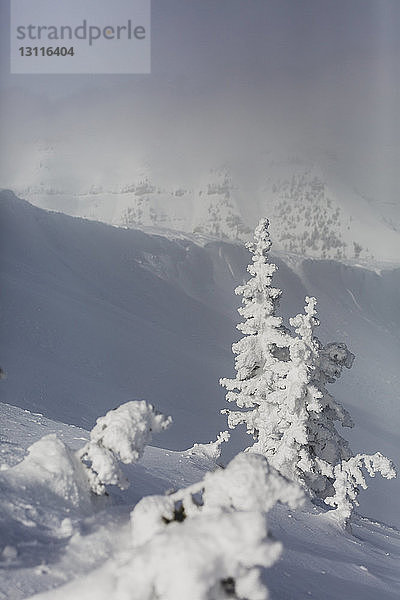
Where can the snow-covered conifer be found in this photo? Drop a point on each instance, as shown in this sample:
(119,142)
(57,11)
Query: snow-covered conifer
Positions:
(280,389)
(263,352)
(121,435)
(329,468)
(309,435)
(306,446)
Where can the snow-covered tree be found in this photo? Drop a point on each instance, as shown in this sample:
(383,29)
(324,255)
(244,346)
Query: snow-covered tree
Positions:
(280,390)
(308,437)
(328,467)
(121,435)
(210,540)
(295,423)
(262,353)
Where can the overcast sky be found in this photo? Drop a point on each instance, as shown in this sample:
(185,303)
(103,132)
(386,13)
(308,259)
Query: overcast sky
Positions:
(230,79)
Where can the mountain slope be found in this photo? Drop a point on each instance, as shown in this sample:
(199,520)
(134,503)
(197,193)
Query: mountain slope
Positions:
(92,316)
(88,321)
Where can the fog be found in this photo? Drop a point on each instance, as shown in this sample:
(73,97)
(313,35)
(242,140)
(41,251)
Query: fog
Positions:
(233,83)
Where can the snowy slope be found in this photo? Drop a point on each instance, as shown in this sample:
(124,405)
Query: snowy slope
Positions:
(46,545)
(92,316)
(46,540)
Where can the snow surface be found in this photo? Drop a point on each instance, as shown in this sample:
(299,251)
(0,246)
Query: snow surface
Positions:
(92,316)
(86,549)
(49,539)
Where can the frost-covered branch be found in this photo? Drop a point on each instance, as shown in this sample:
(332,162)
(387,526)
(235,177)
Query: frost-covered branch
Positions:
(348,478)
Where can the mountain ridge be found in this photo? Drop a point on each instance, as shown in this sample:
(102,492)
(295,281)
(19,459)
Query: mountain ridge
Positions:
(313,209)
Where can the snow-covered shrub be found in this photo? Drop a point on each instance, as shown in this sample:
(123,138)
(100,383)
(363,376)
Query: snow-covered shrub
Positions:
(210,451)
(210,540)
(348,478)
(121,435)
(211,558)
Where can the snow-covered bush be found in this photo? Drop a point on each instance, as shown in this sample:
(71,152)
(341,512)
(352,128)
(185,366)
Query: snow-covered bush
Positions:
(280,390)
(55,465)
(210,540)
(211,558)
(121,435)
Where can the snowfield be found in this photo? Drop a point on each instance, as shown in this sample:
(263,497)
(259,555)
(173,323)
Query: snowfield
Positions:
(93,316)
(51,544)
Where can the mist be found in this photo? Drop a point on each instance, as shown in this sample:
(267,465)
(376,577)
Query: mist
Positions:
(231,85)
